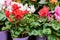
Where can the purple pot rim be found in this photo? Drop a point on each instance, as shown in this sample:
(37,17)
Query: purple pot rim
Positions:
(4,31)
(21,38)
(41,36)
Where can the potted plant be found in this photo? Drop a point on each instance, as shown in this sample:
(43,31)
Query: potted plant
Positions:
(51,23)
(42,31)
(29,22)
(3,34)
(54,24)
(23,27)
(35,24)
(16,21)
(32,24)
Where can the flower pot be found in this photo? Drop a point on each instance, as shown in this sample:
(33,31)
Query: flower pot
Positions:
(26,38)
(32,37)
(41,38)
(3,35)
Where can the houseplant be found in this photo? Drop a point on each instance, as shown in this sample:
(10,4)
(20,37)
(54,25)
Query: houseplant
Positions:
(16,22)
(2,24)
(5,35)
(51,25)
(37,26)
(20,20)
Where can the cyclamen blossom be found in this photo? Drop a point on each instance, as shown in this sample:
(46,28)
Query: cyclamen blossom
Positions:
(7,13)
(31,9)
(16,12)
(57,13)
(9,8)
(23,8)
(15,6)
(7,2)
(4,3)
(50,15)
(16,3)
(44,11)
(1,4)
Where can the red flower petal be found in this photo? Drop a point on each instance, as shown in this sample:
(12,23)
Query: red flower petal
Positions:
(44,11)
(7,13)
(21,16)
(15,6)
(25,12)
(17,17)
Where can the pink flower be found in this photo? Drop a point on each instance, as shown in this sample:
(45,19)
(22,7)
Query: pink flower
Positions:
(50,16)
(57,13)
(57,17)
(7,2)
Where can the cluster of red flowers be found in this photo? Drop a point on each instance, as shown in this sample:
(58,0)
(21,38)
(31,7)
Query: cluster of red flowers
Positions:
(44,11)
(16,12)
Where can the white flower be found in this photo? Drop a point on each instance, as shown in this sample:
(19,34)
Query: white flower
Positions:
(2,2)
(23,8)
(21,5)
(3,7)
(15,3)
(9,8)
(31,9)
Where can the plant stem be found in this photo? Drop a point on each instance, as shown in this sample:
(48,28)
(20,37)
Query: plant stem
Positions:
(16,26)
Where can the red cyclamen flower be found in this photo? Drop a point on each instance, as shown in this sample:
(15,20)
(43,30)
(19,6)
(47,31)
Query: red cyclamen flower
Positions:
(16,12)
(7,13)
(44,11)
(15,6)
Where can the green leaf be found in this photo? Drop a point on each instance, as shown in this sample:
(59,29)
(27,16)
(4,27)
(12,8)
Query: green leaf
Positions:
(14,36)
(47,31)
(2,16)
(7,23)
(2,23)
(4,28)
(17,33)
(12,31)
(35,24)
(43,2)
(40,33)
(42,20)
(51,37)
(33,32)
(20,29)
(56,33)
